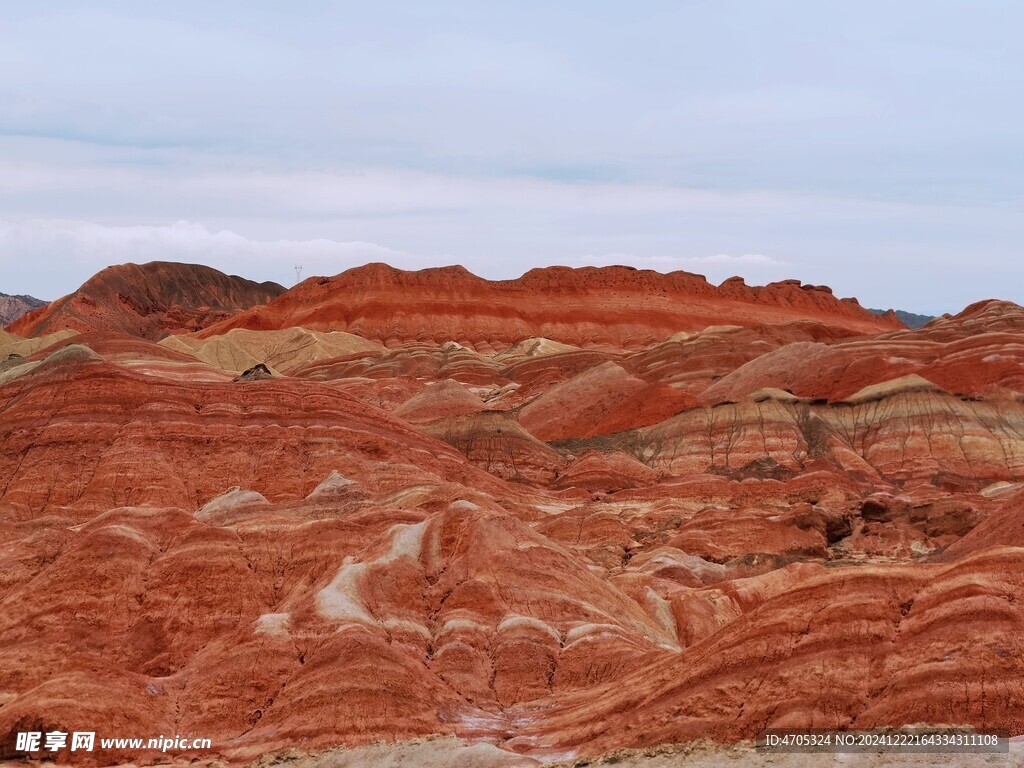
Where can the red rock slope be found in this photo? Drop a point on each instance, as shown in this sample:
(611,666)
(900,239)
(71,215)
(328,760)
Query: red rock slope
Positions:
(619,307)
(149,300)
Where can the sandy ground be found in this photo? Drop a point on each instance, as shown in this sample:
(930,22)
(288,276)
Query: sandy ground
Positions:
(450,753)
(744,756)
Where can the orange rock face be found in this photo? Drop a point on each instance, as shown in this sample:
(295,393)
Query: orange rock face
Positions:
(616,532)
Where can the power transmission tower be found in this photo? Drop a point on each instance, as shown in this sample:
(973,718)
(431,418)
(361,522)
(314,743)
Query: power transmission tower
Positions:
(298,274)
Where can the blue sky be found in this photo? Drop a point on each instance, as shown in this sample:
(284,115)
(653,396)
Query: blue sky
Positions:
(872,146)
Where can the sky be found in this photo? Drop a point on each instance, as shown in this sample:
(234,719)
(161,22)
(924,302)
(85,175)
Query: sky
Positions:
(872,146)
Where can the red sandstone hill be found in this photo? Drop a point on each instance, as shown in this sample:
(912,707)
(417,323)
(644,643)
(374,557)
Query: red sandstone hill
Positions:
(149,300)
(619,307)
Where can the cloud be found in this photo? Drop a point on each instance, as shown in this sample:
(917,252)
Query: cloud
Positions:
(487,89)
(78,248)
(505,136)
(73,209)
(716,267)
(746,258)
(92,246)
(72,245)
(718,259)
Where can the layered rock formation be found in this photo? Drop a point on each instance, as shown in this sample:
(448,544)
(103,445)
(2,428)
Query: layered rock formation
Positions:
(12,344)
(610,306)
(148,300)
(976,352)
(284,351)
(556,551)
(601,400)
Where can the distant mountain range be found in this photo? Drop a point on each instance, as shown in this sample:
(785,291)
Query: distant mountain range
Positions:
(13,307)
(909,319)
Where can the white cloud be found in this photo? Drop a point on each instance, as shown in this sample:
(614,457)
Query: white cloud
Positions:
(69,243)
(716,267)
(72,209)
(724,259)
(745,258)
(79,247)
(504,136)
